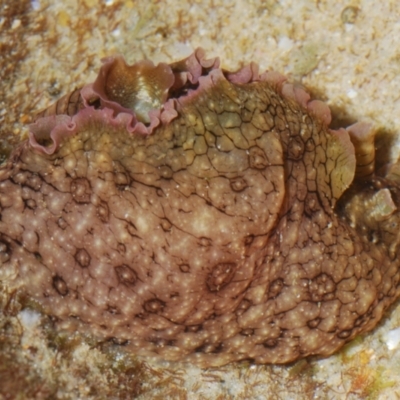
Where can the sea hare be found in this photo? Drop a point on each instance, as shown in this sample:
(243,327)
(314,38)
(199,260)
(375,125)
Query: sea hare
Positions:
(201,215)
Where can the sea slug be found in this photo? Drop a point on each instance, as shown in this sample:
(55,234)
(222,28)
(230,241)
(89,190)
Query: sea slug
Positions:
(202,215)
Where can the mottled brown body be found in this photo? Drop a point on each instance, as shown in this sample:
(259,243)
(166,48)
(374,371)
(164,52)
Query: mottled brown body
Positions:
(69,104)
(214,239)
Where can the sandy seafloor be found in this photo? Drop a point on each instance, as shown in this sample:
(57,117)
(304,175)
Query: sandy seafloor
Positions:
(346,53)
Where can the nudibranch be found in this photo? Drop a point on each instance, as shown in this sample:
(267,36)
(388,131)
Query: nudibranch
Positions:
(197,214)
